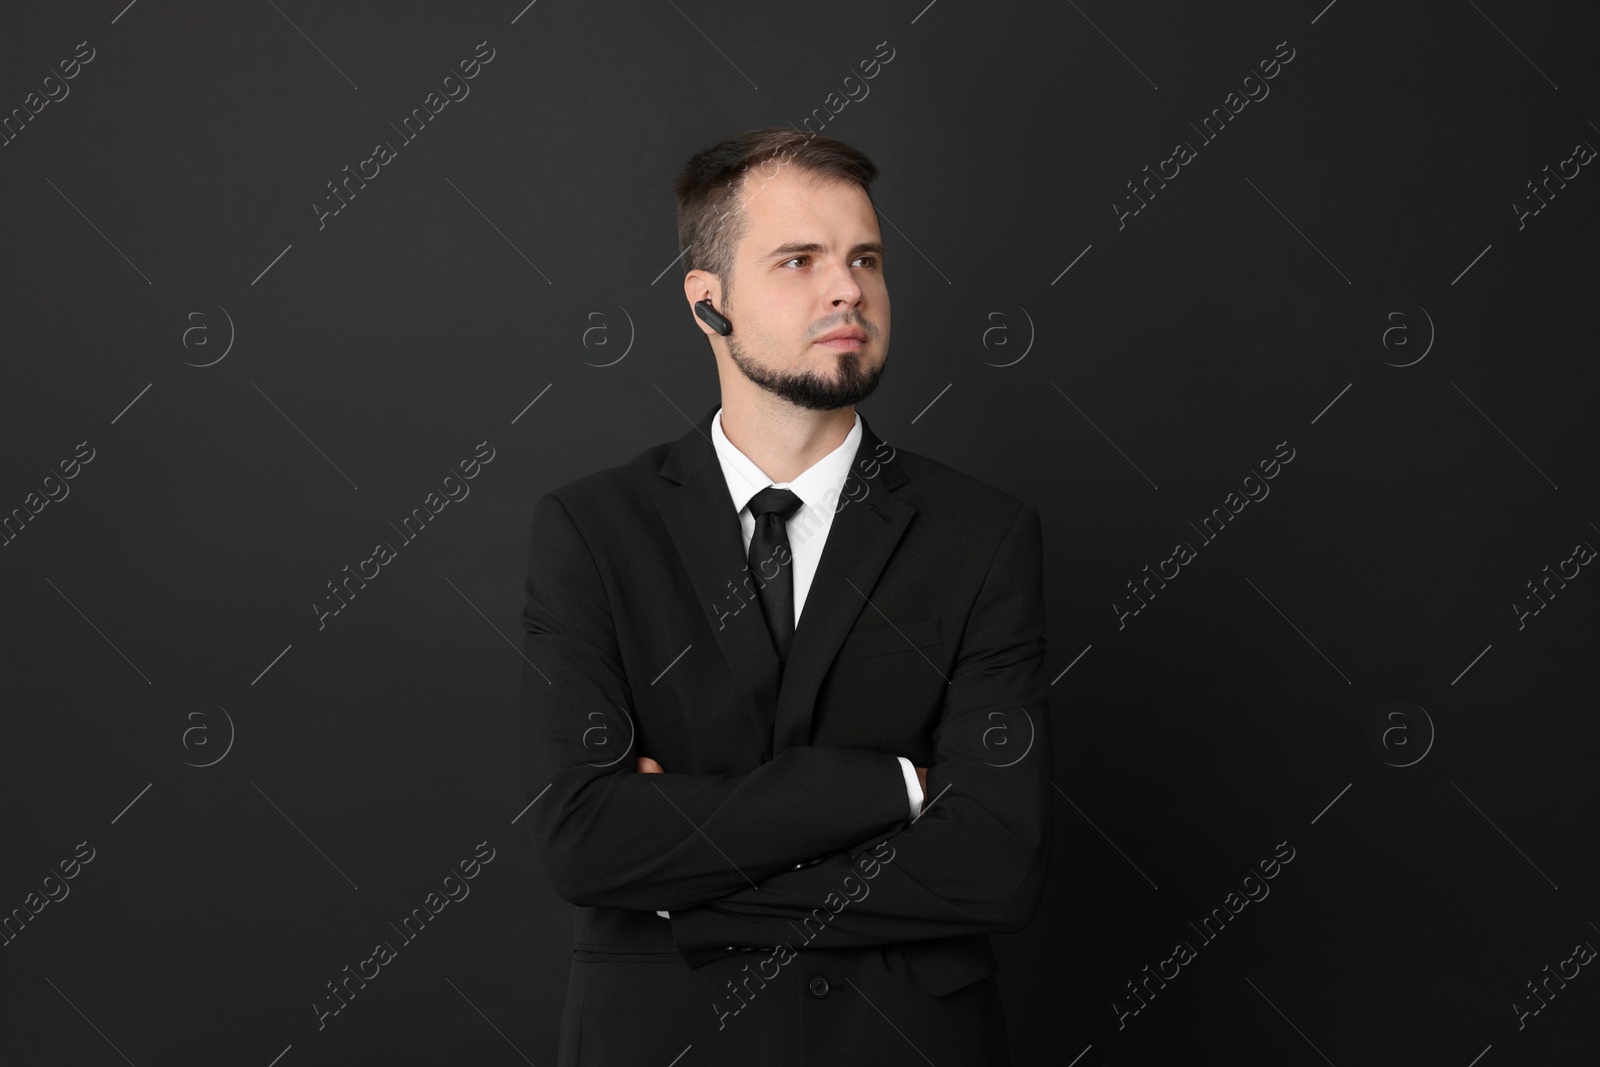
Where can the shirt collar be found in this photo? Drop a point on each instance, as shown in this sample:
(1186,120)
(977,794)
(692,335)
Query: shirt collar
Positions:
(812,486)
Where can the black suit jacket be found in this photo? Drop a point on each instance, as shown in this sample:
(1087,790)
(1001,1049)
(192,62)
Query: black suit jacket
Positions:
(812,921)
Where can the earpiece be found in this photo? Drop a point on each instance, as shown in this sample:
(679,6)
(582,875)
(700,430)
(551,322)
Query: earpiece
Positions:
(712,317)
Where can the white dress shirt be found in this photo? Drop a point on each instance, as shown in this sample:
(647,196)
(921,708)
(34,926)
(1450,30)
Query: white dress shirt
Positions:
(819,488)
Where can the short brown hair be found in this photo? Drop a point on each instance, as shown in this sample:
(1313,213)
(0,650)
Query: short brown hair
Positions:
(711,219)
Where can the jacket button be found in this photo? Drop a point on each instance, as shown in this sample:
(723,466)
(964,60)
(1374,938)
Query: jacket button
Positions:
(819,986)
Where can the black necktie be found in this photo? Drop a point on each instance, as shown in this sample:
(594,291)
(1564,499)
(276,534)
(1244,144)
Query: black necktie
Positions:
(772,565)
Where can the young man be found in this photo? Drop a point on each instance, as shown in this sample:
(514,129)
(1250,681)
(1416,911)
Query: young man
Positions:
(784,712)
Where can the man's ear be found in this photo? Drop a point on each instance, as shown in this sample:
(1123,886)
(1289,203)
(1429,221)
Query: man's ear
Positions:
(700,285)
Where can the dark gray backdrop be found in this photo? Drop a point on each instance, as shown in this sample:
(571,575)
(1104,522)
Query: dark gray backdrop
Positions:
(248,390)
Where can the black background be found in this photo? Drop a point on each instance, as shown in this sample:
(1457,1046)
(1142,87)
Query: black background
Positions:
(525,240)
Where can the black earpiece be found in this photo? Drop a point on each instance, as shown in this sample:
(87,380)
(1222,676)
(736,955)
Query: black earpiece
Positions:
(712,317)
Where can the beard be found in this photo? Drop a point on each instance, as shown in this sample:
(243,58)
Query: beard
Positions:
(810,389)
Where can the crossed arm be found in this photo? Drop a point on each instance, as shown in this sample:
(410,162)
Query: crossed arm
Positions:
(723,863)
(915,793)
(609,836)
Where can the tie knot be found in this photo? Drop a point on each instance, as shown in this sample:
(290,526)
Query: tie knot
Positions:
(774,501)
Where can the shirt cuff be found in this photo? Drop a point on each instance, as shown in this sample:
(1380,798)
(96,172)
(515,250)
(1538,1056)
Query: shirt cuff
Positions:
(913,787)
(663,914)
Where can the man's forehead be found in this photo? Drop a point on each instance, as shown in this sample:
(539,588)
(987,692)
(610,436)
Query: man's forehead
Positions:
(802,210)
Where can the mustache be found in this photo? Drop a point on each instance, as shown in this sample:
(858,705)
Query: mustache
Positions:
(859,323)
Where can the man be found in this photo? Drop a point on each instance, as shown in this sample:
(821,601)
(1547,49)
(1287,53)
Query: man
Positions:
(825,654)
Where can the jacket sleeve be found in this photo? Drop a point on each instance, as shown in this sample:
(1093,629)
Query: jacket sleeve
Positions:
(609,836)
(975,860)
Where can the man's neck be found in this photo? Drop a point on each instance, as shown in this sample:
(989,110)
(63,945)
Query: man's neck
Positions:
(782,439)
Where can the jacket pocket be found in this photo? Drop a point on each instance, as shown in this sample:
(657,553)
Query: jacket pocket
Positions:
(944,966)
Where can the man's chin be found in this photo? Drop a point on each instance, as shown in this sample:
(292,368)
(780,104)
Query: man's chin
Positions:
(828,387)
(830,395)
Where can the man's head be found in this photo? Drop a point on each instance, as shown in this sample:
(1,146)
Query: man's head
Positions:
(782,238)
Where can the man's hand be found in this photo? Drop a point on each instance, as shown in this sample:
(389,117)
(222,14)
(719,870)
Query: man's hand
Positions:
(922,779)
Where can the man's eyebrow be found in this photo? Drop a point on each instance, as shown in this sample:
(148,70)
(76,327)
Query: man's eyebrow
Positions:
(796,247)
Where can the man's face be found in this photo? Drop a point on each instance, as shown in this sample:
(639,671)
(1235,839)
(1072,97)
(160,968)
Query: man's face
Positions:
(809,264)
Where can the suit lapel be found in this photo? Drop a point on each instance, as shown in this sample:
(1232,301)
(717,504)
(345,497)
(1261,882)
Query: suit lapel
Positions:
(863,535)
(705,530)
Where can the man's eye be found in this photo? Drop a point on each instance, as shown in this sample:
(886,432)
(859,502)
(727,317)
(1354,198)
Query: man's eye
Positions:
(871,261)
